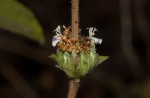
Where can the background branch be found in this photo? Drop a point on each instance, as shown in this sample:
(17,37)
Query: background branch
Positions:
(127,35)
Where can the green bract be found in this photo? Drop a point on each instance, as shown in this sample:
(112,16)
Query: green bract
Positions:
(77,65)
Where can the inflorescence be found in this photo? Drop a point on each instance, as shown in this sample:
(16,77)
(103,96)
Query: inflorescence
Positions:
(63,39)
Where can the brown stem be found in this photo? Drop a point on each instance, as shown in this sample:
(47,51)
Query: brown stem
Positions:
(75,19)
(74,84)
(73,88)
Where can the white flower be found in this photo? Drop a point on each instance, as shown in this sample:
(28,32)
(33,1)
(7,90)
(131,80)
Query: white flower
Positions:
(57,37)
(96,40)
(58,30)
(55,40)
(92,33)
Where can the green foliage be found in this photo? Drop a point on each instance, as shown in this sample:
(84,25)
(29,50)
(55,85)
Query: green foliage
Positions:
(101,59)
(18,19)
(77,65)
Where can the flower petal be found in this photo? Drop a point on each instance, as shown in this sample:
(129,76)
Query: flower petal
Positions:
(58,30)
(92,31)
(55,40)
(96,40)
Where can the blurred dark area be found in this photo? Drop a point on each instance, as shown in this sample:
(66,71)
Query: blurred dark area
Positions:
(124,25)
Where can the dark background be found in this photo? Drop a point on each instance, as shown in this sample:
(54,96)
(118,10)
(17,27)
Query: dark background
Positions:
(124,25)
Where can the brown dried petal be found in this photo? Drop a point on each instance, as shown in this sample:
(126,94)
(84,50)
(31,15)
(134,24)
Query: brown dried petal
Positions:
(71,48)
(64,47)
(72,40)
(77,51)
(78,47)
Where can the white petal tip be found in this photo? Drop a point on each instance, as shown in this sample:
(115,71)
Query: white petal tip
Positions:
(97,40)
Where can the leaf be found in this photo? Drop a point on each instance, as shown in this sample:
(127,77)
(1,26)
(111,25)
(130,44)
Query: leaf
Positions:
(102,59)
(18,19)
(54,57)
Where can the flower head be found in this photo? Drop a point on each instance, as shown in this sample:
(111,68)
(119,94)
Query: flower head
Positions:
(76,57)
(65,42)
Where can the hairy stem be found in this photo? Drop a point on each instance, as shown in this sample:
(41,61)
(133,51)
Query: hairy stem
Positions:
(75,19)
(73,88)
(74,84)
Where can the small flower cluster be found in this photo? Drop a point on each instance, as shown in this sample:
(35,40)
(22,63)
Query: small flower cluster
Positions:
(76,57)
(66,43)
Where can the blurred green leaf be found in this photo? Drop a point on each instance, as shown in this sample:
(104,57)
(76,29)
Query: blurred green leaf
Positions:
(145,89)
(18,19)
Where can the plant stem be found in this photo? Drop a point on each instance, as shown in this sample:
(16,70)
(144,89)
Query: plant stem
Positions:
(74,84)
(73,88)
(75,19)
